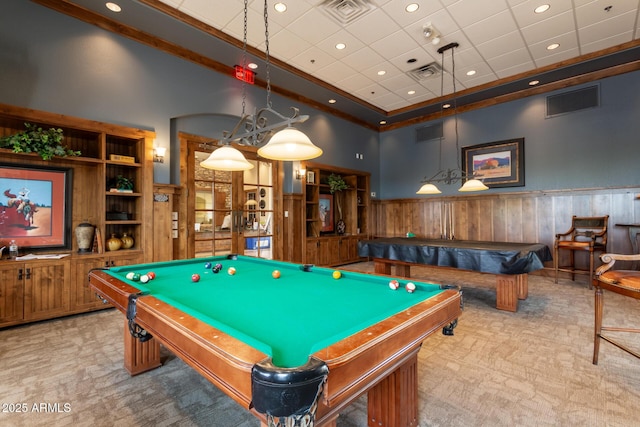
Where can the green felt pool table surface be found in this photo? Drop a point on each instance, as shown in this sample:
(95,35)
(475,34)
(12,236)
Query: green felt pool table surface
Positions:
(288,318)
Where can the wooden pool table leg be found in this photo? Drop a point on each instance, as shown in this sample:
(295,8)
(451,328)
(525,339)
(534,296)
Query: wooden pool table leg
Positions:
(139,356)
(394,400)
(510,289)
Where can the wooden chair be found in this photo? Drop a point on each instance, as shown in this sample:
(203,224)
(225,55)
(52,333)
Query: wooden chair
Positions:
(624,282)
(587,234)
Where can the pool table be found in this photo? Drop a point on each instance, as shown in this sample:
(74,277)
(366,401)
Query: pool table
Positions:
(300,346)
(510,262)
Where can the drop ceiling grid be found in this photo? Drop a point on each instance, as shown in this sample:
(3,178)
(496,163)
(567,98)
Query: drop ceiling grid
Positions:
(498,39)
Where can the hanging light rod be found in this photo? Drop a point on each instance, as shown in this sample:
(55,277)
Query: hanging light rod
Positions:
(446,47)
(287,144)
(451,176)
(256,129)
(448,177)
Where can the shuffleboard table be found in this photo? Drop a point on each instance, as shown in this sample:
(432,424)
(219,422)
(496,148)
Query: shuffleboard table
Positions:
(289,349)
(510,262)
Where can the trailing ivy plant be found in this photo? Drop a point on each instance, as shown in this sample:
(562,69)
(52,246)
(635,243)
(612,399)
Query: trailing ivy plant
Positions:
(47,143)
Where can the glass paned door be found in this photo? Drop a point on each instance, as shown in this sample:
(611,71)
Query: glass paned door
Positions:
(233,210)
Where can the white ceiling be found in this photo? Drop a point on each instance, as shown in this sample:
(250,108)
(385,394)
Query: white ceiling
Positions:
(497,39)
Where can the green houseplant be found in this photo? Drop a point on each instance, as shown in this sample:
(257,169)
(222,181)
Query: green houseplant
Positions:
(45,142)
(122,184)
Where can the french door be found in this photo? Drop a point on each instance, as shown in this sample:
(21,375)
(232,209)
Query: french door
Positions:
(230,212)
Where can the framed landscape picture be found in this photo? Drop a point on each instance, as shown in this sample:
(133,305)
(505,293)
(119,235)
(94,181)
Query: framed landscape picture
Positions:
(35,206)
(497,164)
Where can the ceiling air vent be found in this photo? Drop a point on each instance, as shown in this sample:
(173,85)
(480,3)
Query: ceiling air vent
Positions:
(346,11)
(426,72)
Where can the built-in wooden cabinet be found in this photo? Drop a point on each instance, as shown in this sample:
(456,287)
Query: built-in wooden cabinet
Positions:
(323,245)
(46,288)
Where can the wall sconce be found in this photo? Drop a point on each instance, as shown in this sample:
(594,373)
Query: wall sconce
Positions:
(301,173)
(158,154)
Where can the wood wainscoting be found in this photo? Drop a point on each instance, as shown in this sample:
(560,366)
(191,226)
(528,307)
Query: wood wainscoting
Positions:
(510,217)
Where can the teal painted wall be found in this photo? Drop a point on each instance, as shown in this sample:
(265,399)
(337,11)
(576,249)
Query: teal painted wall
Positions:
(51,62)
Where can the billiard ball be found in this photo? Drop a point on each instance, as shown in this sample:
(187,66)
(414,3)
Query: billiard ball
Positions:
(215,269)
(231,271)
(151,275)
(195,277)
(207,265)
(129,275)
(136,277)
(394,284)
(276,274)
(336,274)
(410,287)
(144,278)
(218,266)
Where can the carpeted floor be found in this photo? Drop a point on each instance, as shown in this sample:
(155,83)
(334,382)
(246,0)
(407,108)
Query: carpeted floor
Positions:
(530,368)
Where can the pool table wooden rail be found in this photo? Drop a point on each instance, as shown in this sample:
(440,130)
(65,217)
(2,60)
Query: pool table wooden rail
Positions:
(380,359)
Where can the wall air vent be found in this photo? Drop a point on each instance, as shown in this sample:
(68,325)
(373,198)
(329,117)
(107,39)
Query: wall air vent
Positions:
(575,100)
(428,133)
(425,72)
(346,11)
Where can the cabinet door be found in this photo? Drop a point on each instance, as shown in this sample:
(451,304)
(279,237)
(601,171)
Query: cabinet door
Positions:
(127,259)
(312,250)
(46,289)
(345,249)
(82,297)
(11,294)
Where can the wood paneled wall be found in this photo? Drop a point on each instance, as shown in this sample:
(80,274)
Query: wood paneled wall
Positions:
(516,217)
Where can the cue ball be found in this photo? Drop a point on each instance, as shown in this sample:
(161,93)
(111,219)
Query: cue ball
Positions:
(129,275)
(231,271)
(195,277)
(207,265)
(410,287)
(336,274)
(151,275)
(394,285)
(144,278)
(276,274)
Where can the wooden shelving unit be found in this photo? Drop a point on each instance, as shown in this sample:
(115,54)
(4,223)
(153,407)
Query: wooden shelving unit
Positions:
(330,248)
(41,289)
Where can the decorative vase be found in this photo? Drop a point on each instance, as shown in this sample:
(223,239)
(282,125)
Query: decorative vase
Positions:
(127,241)
(113,243)
(84,237)
(341,227)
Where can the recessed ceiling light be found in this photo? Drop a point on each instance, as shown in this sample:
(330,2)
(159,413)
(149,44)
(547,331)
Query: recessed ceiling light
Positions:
(411,92)
(280,7)
(383,122)
(382,72)
(332,101)
(446,105)
(341,46)
(534,82)
(113,7)
(412,7)
(252,65)
(553,46)
(542,8)
(471,72)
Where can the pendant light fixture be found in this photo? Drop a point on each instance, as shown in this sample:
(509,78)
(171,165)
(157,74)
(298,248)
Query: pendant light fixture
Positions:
(451,176)
(288,143)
